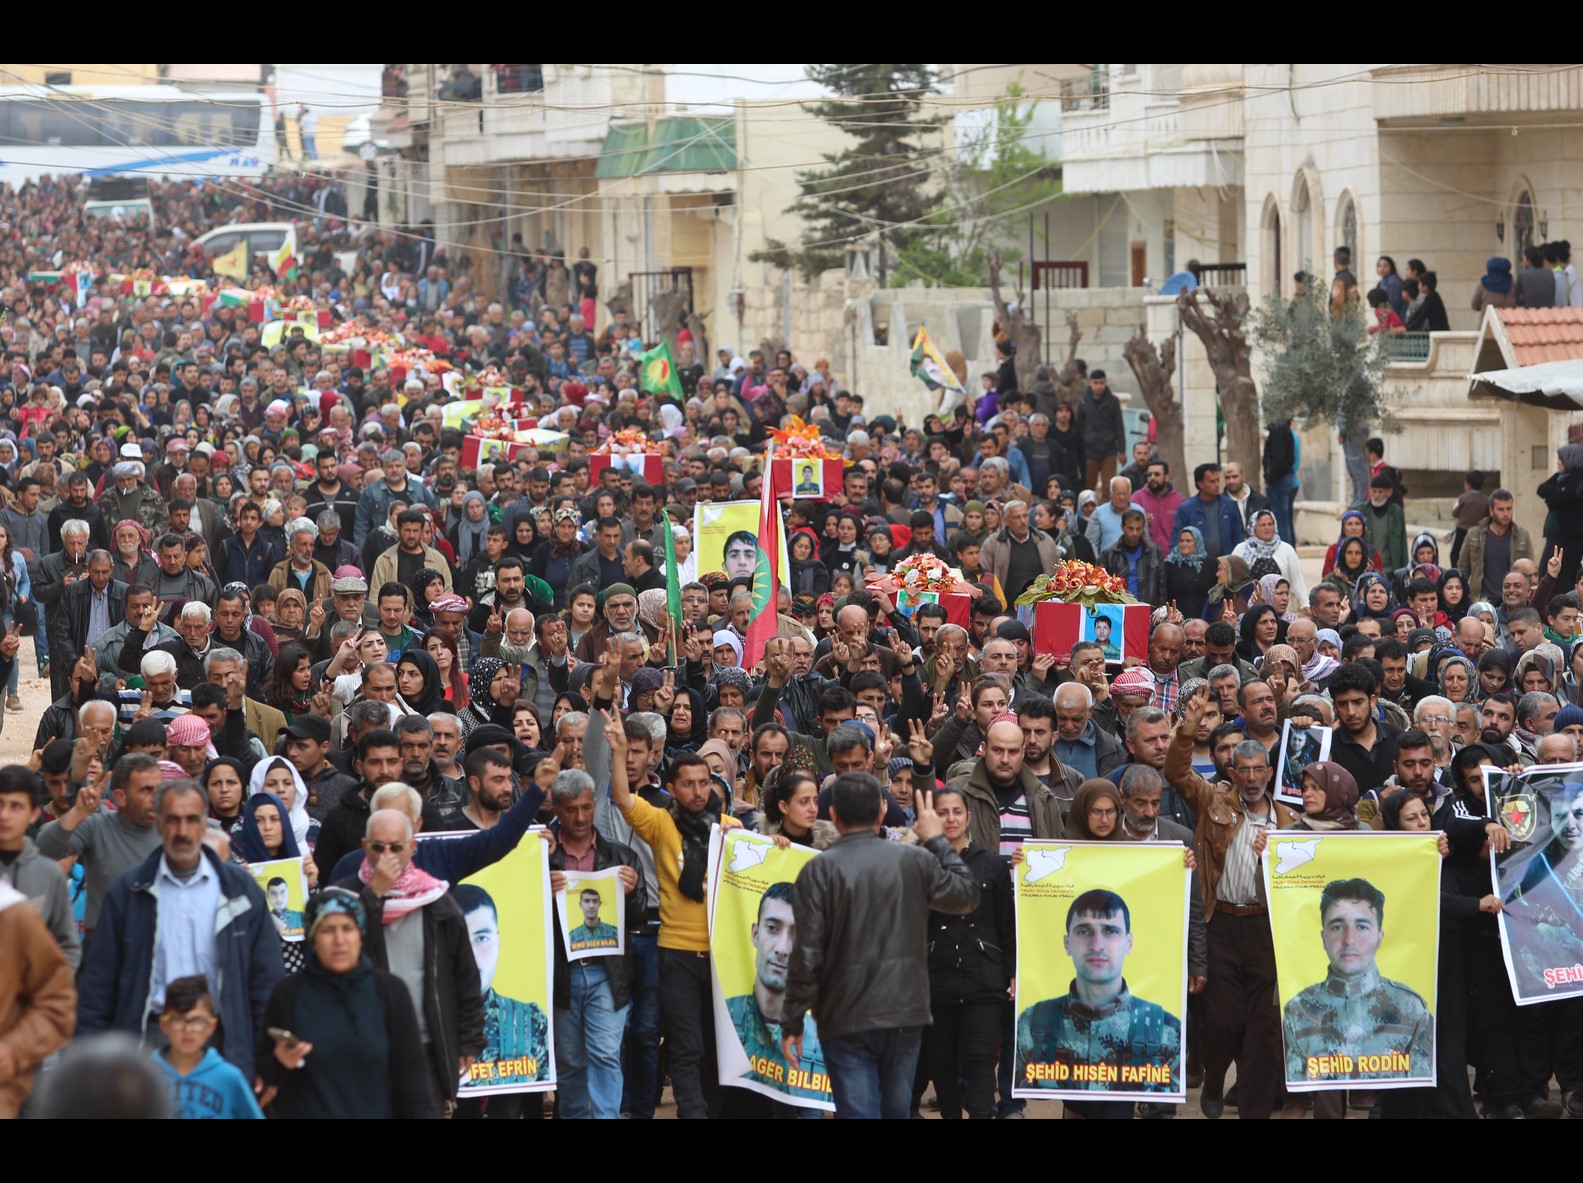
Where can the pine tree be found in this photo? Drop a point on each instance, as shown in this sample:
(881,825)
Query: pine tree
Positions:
(877,182)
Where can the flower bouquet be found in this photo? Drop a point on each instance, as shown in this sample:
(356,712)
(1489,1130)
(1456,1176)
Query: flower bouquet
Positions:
(801,464)
(1076,582)
(631,449)
(799,440)
(925,579)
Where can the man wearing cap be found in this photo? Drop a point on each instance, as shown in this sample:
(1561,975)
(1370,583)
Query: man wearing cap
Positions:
(177,450)
(130,497)
(348,602)
(618,604)
(373,507)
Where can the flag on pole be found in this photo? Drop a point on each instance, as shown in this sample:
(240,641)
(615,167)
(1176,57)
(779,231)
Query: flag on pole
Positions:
(928,365)
(673,589)
(233,264)
(284,260)
(658,372)
(765,619)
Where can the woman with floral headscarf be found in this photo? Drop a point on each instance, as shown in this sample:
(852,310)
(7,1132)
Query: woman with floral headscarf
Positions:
(1232,591)
(489,678)
(552,560)
(1265,542)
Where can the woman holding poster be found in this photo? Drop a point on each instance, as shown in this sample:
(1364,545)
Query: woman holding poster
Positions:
(972,968)
(264,841)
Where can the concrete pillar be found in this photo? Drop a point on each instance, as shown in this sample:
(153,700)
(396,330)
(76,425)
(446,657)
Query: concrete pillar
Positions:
(1527,459)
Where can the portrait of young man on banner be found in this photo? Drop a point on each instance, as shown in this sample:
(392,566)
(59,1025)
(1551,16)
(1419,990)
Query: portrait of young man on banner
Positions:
(1100,1011)
(1355,921)
(285,890)
(752,933)
(592,914)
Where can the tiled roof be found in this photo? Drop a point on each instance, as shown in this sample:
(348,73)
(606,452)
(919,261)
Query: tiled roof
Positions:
(1543,334)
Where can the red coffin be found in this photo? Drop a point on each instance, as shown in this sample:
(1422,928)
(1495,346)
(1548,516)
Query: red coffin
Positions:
(781,479)
(498,450)
(360,358)
(1057,627)
(653,467)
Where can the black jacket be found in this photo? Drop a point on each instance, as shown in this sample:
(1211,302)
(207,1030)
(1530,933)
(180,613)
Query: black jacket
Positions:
(342,829)
(453,996)
(861,959)
(68,621)
(98,529)
(1280,453)
(411,1094)
(1151,569)
(618,970)
(972,958)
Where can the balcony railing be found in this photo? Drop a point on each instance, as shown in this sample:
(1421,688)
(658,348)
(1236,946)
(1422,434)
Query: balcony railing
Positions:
(1223,275)
(1400,347)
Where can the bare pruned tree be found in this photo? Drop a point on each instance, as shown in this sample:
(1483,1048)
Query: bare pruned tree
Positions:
(1021,328)
(1221,326)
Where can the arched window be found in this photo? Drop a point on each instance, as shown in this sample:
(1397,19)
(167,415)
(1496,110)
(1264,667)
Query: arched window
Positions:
(1348,226)
(1272,252)
(1303,227)
(1522,226)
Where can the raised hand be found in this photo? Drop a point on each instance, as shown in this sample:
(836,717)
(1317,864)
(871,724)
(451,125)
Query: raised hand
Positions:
(964,708)
(883,746)
(919,749)
(666,694)
(926,823)
(778,660)
(497,621)
(1553,567)
(1043,663)
(616,736)
(12,641)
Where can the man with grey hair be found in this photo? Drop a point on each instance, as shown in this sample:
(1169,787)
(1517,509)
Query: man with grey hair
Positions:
(179,911)
(1080,742)
(569,734)
(1018,553)
(1555,748)
(299,569)
(373,507)
(1104,528)
(1536,718)
(56,572)
(1436,717)
(1142,789)
(592,996)
(333,546)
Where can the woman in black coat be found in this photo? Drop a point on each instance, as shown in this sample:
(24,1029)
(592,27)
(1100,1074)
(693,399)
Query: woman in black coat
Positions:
(1563,495)
(358,1051)
(972,966)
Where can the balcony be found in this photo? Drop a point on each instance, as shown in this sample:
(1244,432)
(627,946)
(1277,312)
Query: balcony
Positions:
(1120,135)
(1426,95)
(524,113)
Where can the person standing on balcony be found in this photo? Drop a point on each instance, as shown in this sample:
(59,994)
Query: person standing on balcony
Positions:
(1391,284)
(1536,286)
(1343,285)
(1104,433)
(1495,290)
(1431,314)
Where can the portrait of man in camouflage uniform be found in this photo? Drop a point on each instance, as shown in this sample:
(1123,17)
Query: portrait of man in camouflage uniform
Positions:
(1099,1025)
(514,1031)
(757,1016)
(1339,1029)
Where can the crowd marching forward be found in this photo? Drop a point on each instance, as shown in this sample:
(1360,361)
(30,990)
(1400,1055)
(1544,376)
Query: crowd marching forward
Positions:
(282,617)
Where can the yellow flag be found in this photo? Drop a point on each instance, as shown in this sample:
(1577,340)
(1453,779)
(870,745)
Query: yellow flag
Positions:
(233,264)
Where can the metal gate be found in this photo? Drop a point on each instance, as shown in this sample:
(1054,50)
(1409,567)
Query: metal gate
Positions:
(647,285)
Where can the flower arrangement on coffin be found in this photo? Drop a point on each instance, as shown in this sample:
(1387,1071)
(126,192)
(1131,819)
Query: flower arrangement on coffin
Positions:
(1076,582)
(800,441)
(629,441)
(921,573)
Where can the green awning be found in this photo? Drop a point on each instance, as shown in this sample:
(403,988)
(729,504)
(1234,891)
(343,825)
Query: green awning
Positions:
(679,144)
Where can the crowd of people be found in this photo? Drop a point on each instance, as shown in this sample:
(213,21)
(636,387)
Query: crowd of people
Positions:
(282,618)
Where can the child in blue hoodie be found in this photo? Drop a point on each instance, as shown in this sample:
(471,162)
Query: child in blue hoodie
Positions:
(203,1084)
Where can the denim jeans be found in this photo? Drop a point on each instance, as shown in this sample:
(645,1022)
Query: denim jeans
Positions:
(642,1076)
(871,1072)
(1283,496)
(588,1046)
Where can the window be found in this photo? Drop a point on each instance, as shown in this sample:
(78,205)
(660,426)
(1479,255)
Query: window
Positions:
(1349,227)
(1523,225)
(220,243)
(1303,226)
(260,241)
(117,123)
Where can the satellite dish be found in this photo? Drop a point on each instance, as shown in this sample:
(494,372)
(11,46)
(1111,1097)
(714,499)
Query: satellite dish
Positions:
(366,150)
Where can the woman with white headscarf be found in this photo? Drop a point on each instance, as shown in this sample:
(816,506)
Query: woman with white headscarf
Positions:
(278,776)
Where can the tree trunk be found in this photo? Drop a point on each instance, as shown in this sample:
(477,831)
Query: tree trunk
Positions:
(1023,330)
(1069,379)
(1230,357)
(1153,370)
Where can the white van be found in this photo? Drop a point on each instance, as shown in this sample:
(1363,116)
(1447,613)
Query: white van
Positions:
(263,238)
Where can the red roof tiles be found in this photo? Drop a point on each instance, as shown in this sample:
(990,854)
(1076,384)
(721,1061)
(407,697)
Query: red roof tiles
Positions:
(1543,334)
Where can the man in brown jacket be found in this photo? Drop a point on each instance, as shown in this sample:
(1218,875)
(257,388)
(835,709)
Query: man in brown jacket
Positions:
(38,1002)
(1017,553)
(1239,1002)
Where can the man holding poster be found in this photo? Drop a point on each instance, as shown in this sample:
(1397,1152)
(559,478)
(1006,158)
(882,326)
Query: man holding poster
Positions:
(1540,880)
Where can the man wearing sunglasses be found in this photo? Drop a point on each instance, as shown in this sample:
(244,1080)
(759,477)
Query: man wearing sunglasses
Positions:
(417,932)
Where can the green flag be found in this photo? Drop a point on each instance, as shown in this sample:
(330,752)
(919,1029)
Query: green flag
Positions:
(658,372)
(673,587)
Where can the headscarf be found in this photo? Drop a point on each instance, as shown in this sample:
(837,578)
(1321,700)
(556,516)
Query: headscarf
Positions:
(415,889)
(1571,456)
(675,742)
(1255,546)
(651,606)
(470,535)
(1497,276)
(1240,580)
(433,696)
(1399,613)
(1360,606)
(727,637)
(249,843)
(300,821)
(1437,664)
(1341,527)
(1341,797)
(1077,817)
(1283,654)
(480,683)
(1194,560)
(732,676)
(420,606)
(335,901)
(1267,587)
(1530,660)
(1453,612)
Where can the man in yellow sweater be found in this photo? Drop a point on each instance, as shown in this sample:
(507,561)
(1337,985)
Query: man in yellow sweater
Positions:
(679,837)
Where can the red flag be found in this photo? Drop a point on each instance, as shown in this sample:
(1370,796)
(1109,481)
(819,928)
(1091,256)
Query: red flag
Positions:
(765,622)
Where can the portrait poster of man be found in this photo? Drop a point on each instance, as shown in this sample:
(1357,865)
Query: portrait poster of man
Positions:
(808,479)
(725,538)
(1104,628)
(507,910)
(1540,879)
(908,602)
(1099,1010)
(592,911)
(751,934)
(1300,747)
(1355,918)
(285,889)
